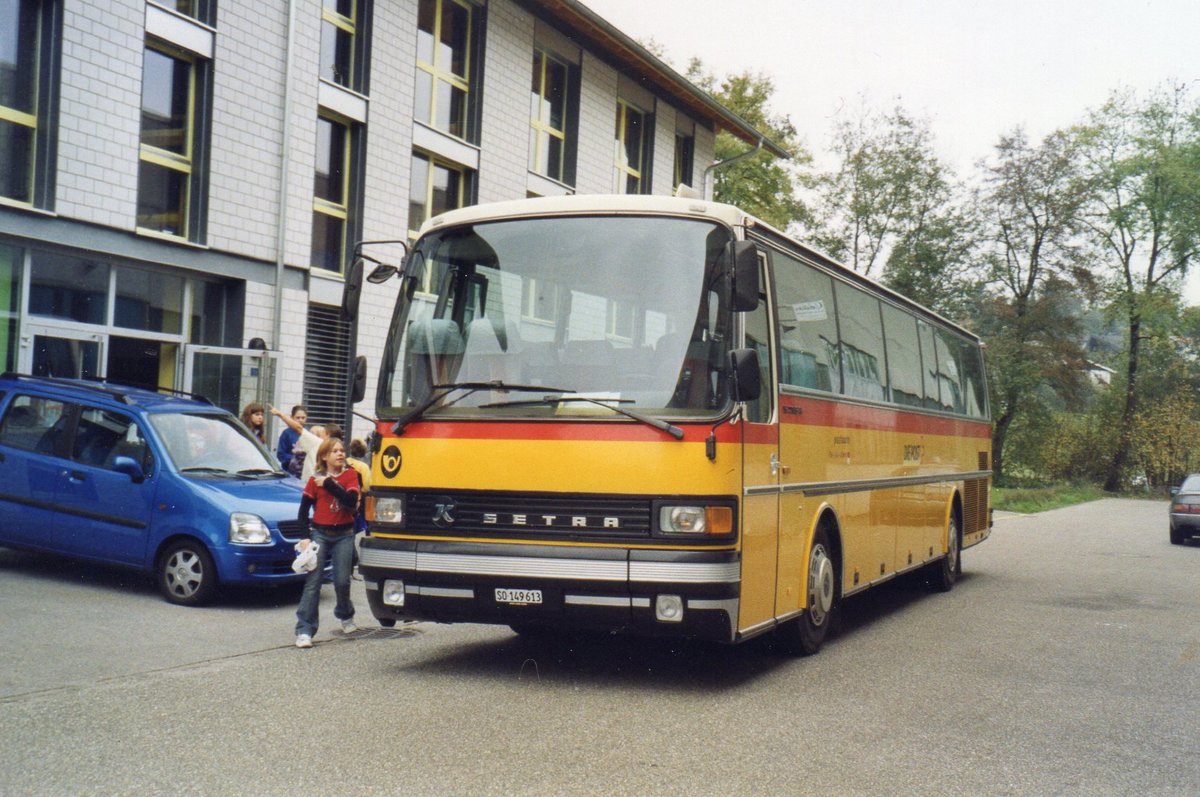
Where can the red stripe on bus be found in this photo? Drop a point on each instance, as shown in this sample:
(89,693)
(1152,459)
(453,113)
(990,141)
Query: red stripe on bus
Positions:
(793,410)
(822,412)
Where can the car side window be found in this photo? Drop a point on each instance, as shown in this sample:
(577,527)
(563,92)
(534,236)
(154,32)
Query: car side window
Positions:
(103,435)
(33,423)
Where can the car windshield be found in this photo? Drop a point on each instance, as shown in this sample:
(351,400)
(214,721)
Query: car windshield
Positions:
(1191,484)
(522,315)
(211,443)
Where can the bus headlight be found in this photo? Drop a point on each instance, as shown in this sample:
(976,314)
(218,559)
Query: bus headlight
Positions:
(247,529)
(710,520)
(385,509)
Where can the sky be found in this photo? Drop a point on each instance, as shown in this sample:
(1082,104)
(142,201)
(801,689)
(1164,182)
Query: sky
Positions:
(974,68)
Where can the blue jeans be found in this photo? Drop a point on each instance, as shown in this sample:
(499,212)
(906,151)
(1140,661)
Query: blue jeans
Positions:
(340,549)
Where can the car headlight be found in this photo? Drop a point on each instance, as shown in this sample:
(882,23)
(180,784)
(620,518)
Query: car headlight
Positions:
(247,529)
(383,509)
(698,520)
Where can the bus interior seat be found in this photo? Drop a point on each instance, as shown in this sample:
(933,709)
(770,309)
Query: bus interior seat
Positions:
(436,348)
(689,360)
(492,351)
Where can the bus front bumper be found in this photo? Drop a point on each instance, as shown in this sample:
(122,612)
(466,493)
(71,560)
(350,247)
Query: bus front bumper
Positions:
(652,592)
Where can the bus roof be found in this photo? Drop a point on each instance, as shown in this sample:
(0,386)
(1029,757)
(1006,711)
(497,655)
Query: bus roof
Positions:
(644,204)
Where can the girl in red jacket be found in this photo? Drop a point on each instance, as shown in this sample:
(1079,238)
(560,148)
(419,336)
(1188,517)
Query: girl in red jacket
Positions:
(331,494)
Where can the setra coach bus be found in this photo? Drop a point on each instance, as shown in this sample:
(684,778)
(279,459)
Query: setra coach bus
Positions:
(664,417)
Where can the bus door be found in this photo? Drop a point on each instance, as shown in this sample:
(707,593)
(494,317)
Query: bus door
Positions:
(760,473)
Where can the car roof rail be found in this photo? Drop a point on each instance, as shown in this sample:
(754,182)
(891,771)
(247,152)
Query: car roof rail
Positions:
(103,385)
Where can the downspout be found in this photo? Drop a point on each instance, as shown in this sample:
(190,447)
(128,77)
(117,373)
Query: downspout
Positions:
(285,152)
(708,189)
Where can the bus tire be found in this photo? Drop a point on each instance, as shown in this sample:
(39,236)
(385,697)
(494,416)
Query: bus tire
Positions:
(945,572)
(804,635)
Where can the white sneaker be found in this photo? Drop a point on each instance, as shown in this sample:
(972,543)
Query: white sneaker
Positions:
(303,641)
(348,626)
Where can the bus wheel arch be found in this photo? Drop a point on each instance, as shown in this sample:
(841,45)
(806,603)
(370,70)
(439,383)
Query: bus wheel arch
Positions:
(945,572)
(822,577)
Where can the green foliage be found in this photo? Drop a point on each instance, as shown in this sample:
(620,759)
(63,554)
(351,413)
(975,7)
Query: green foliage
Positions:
(762,184)
(889,192)
(1028,500)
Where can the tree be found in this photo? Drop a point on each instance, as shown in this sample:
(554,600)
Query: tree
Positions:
(1143,159)
(1030,203)
(761,185)
(885,190)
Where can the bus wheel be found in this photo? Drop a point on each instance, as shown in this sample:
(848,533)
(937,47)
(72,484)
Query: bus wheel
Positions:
(804,635)
(946,571)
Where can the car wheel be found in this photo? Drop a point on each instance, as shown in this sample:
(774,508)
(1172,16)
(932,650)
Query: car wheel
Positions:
(945,572)
(186,574)
(386,622)
(1176,536)
(805,635)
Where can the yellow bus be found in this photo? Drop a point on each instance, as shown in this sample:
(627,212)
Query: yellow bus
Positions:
(661,416)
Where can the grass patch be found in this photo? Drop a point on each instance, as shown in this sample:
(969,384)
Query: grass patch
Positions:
(1028,500)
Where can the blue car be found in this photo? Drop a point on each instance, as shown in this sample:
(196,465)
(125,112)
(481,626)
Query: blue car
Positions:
(172,486)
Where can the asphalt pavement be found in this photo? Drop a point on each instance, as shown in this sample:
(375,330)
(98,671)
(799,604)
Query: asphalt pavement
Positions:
(1065,662)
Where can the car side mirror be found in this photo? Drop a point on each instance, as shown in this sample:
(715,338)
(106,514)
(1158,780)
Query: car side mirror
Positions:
(747,379)
(130,467)
(1174,491)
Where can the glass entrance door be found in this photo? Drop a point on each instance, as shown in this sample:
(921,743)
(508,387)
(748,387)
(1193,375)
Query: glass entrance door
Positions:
(47,351)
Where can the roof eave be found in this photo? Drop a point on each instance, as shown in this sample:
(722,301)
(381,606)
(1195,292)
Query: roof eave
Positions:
(633,57)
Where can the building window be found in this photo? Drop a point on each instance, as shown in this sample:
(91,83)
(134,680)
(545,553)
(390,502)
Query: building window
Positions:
(201,10)
(548,116)
(331,194)
(435,187)
(169,187)
(444,66)
(342,42)
(685,153)
(26,88)
(631,150)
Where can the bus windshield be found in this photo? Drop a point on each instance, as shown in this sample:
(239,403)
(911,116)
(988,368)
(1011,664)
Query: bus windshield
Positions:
(624,311)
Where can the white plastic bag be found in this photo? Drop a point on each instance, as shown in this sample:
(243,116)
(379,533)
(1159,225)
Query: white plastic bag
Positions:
(306,559)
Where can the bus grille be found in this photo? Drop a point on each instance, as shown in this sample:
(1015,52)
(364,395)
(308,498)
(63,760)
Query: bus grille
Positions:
(529,514)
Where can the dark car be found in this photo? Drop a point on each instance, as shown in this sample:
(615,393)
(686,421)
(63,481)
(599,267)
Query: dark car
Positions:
(172,486)
(1185,510)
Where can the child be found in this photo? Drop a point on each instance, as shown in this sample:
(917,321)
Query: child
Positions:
(331,493)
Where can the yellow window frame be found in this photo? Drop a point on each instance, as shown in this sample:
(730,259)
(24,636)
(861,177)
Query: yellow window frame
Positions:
(435,70)
(622,165)
(430,163)
(173,160)
(339,210)
(536,121)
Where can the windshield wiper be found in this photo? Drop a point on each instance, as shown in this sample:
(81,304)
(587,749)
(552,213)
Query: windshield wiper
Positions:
(612,404)
(470,387)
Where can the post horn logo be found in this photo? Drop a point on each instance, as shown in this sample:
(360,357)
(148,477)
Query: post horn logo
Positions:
(390,461)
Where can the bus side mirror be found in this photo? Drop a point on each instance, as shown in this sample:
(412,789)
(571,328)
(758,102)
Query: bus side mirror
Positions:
(358,380)
(352,290)
(747,379)
(743,270)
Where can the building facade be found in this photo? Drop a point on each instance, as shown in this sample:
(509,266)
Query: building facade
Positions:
(183,184)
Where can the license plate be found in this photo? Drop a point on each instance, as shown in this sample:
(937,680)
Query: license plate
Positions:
(518,596)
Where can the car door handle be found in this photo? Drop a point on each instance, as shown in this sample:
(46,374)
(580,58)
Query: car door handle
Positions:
(76,475)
